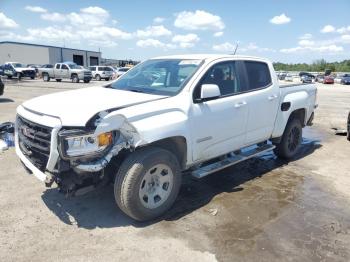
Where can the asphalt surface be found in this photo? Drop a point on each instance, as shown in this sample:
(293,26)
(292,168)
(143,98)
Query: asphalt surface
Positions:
(264,209)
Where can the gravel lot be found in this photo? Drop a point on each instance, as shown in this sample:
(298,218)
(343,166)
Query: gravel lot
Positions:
(261,210)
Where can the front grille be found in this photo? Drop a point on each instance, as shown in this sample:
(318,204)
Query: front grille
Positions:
(28,73)
(34,141)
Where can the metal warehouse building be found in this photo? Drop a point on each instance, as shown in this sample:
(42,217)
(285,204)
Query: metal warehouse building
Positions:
(45,54)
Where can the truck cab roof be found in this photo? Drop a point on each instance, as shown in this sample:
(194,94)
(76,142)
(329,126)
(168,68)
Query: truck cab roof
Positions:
(210,57)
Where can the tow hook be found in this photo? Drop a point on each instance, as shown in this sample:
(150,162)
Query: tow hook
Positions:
(49,180)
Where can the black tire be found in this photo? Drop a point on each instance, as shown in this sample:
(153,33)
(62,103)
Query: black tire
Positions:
(108,78)
(86,81)
(46,77)
(75,79)
(32,77)
(291,140)
(58,80)
(9,77)
(348,128)
(131,178)
(98,77)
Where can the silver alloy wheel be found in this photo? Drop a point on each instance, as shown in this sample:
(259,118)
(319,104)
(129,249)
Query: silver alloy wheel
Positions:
(156,186)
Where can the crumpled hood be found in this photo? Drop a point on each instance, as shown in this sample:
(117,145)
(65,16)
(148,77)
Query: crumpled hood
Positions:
(76,107)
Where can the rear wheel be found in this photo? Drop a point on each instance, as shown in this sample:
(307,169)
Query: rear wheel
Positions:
(147,183)
(58,80)
(46,77)
(291,140)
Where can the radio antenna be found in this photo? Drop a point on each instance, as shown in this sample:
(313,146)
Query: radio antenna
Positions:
(235,49)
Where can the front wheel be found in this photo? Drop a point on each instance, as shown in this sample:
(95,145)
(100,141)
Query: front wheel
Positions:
(75,79)
(291,140)
(147,183)
(98,77)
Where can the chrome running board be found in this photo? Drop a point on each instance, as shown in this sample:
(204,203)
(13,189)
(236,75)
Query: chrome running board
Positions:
(230,160)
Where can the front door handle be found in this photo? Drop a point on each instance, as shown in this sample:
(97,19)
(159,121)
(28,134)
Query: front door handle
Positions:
(240,104)
(272,97)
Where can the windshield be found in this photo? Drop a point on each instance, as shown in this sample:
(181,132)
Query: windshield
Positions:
(18,65)
(160,77)
(75,66)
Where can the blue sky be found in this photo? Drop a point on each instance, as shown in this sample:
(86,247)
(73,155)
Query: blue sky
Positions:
(286,31)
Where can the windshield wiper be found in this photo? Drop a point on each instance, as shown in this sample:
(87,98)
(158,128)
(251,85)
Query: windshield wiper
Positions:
(135,90)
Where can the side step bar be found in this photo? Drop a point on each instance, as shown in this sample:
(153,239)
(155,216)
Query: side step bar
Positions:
(230,160)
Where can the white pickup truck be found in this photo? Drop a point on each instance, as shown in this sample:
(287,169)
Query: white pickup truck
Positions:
(168,116)
(66,71)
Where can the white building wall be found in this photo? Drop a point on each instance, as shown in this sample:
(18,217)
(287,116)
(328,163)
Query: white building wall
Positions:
(27,54)
(32,54)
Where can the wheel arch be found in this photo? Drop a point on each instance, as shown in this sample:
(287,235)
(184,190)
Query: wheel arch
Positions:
(176,145)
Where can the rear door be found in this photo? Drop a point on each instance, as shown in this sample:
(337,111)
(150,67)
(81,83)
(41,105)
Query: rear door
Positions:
(56,71)
(263,101)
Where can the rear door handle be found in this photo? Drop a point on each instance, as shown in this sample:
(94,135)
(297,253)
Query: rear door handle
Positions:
(272,97)
(240,104)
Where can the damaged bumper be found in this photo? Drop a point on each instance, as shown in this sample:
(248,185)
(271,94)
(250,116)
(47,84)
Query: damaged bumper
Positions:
(42,151)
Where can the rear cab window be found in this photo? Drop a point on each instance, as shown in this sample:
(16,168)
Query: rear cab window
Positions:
(258,75)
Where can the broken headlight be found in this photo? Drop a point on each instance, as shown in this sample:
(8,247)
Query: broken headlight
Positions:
(75,143)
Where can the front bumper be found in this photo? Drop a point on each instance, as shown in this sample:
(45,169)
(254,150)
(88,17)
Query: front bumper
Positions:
(53,123)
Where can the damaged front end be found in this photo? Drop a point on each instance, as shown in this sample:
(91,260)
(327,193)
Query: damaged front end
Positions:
(89,156)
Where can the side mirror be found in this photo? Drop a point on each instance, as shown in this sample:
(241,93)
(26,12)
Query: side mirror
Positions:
(209,92)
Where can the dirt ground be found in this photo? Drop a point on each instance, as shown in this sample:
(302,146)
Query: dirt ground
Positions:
(261,210)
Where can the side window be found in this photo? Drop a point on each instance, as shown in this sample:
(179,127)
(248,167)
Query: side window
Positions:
(93,68)
(258,74)
(225,76)
(58,66)
(64,67)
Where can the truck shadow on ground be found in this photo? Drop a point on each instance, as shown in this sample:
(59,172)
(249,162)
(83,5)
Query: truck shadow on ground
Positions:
(98,209)
(6,100)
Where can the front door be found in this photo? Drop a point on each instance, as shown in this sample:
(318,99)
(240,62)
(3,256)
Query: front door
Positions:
(218,126)
(64,71)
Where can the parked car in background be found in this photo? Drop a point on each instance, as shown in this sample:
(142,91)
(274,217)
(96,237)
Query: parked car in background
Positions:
(288,78)
(319,78)
(2,87)
(34,66)
(15,69)
(343,79)
(282,76)
(121,71)
(101,72)
(328,80)
(66,71)
(143,133)
(306,79)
